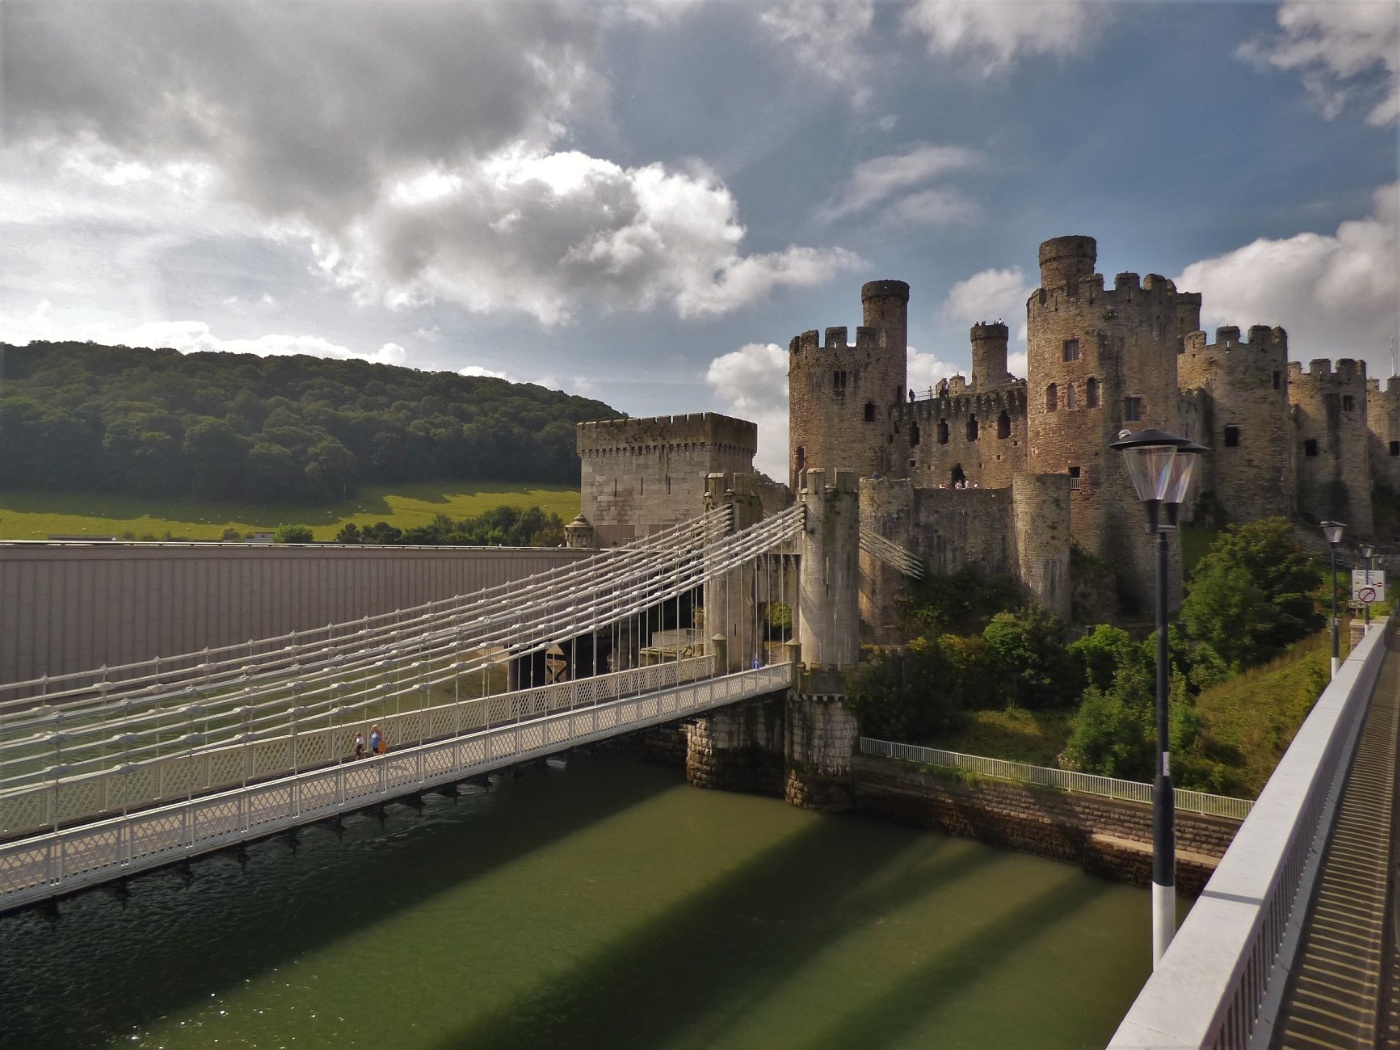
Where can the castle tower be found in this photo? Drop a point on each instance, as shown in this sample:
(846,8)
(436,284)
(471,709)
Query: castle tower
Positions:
(1099,361)
(841,397)
(1236,403)
(989,357)
(1383,421)
(1332,442)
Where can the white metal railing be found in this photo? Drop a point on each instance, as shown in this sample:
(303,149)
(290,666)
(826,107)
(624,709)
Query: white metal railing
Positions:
(1222,980)
(59,862)
(1064,779)
(134,785)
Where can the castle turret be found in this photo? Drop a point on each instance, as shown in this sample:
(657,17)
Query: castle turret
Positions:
(989,356)
(1235,398)
(1383,421)
(1099,361)
(841,396)
(1330,420)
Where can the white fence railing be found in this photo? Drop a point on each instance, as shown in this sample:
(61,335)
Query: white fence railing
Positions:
(1064,779)
(135,785)
(46,865)
(1222,980)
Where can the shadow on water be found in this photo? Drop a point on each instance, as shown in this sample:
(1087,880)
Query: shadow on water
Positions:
(704,964)
(919,993)
(116,961)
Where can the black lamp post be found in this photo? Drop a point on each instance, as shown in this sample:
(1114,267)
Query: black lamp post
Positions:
(1367,552)
(1161,466)
(1333,530)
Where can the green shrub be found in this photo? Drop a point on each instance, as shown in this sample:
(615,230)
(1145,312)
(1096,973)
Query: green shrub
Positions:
(1028,661)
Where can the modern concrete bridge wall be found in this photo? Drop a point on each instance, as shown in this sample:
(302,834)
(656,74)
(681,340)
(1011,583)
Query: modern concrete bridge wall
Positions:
(73,606)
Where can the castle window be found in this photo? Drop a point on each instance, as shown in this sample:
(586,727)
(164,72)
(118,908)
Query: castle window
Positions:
(1132,409)
(1074,478)
(1278,380)
(643,487)
(870,411)
(943,432)
(1052,398)
(1310,447)
(1348,402)
(838,383)
(1232,437)
(959,479)
(801,457)
(1004,425)
(1091,393)
(972,428)
(1071,350)
(668,484)
(1395,448)
(913,435)
(1071,397)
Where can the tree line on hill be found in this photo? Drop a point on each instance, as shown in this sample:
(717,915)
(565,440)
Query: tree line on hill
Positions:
(219,425)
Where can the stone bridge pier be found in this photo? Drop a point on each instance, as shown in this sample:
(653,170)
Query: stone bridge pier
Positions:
(797,744)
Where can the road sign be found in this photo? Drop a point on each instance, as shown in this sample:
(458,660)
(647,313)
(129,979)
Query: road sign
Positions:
(1367,586)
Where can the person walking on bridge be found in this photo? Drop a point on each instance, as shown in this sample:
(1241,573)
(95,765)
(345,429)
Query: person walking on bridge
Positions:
(376,740)
(359,744)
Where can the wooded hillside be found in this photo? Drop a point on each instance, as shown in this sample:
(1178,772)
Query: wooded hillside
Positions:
(215,425)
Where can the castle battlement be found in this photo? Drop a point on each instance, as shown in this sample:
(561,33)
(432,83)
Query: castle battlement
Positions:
(650,433)
(1262,355)
(1348,372)
(961,402)
(807,342)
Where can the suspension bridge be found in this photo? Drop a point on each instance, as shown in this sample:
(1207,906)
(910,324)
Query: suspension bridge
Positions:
(117,770)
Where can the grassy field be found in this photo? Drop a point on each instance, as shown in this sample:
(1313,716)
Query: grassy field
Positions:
(1015,734)
(32,515)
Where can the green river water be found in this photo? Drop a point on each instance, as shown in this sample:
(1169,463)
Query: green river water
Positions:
(605,903)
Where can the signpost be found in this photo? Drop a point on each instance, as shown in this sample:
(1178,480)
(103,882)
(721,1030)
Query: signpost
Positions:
(1367,586)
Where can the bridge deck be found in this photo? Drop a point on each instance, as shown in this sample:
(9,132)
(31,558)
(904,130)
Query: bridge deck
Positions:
(1342,990)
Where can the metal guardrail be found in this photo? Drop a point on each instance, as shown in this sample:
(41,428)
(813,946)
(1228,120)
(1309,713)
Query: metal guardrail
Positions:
(1064,779)
(46,865)
(136,785)
(1222,980)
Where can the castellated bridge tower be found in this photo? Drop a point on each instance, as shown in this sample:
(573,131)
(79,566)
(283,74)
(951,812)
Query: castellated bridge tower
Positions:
(1332,441)
(1099,361)
(842,396)
(1235,402)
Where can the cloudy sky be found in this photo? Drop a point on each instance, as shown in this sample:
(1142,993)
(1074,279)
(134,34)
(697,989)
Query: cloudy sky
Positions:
(644,200)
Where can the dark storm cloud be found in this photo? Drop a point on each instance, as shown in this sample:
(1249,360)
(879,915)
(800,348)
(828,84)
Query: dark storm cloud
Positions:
(304,107)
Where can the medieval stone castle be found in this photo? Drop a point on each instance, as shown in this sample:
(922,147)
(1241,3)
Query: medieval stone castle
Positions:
(1008,473)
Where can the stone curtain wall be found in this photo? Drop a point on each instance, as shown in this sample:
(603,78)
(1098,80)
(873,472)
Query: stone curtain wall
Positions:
(71,607)
(1383,420)
(641,475)
(1329,409)
(935,442)
(1236,390)
(1105,837)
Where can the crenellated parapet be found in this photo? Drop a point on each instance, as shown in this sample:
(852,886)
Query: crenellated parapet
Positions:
(655,433)
(964,436)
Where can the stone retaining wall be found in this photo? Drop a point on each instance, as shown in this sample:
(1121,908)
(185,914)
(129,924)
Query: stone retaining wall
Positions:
(1105,837)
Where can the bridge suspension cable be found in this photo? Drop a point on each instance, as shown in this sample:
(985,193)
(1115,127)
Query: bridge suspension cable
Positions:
(357,670)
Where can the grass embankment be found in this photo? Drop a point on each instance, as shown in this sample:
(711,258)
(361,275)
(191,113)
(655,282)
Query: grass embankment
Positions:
(1246,724)
(36,515)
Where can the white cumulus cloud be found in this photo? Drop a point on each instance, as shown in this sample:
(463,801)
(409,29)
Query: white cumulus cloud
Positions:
(826,38)
(1337,294)
(752,383)
(926,371)
(990,35)
(1343,51)
(550,233)
(993,295)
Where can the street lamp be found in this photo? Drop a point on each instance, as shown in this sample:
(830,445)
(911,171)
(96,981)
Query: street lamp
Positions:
(1367,552)
(1333,531)
(1161,466)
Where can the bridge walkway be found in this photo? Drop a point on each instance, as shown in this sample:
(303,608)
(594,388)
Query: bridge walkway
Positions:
(1342,991)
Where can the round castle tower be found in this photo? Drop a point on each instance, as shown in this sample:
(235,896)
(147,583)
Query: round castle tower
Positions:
(1235,402)
(1099,361)
(989,356)
(841,396)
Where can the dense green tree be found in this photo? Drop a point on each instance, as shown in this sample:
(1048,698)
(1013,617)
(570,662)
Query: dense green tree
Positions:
(1029,664)
(1251,595)
(905,695)
(293,534)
